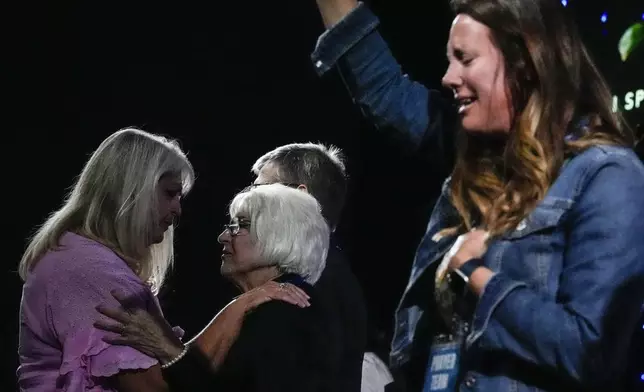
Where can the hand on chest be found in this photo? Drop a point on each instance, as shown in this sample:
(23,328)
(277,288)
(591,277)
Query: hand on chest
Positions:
(534,252)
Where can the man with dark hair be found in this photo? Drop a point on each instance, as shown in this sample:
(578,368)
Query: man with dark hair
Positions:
(320,170)
(316,168)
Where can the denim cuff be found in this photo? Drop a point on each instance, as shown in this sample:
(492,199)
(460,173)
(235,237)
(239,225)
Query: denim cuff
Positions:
(496,289)
(343,36)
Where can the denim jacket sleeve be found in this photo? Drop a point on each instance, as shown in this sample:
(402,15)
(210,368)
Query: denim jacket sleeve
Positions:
(375,80)
(588,328)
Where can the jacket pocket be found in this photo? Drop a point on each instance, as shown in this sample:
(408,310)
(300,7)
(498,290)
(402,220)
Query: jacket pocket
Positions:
(548,214)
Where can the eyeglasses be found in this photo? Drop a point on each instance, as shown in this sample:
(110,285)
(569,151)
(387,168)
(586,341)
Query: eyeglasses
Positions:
(236,225)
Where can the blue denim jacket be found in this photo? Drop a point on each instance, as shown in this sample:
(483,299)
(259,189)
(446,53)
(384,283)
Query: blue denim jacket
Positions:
(561,308)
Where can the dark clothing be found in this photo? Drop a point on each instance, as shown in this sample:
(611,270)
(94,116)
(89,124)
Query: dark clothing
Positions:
(339,290)
(333,331)
(191,373)
(281,348)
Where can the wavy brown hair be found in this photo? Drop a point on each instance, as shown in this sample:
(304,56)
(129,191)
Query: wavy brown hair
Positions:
(552,83)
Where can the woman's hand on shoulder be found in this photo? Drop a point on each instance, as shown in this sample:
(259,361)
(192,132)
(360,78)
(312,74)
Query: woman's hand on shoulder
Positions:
(270,291)
(138,328)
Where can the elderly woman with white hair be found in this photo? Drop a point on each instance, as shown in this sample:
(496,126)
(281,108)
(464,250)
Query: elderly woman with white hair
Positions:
(277,233)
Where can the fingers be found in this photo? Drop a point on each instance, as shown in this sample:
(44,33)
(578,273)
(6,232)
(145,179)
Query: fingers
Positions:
(476,239)
(474,245)
(297,293)
(292,294)
(117,341)
(116,328)
(289,287)
(119,315)
(255,298)
(123,299)
(478,234)
(284,292)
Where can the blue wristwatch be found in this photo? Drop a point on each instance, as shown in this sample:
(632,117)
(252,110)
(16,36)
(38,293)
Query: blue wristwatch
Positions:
(465,271)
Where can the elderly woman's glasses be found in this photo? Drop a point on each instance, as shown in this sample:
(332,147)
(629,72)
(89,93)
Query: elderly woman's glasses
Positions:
(236,225)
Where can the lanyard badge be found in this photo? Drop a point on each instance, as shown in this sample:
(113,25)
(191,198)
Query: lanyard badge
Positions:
(442,368)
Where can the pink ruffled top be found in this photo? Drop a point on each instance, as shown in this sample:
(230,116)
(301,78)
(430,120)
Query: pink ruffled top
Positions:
(59,348)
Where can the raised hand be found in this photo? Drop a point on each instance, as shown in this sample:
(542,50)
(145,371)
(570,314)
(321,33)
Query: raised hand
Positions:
(333,11)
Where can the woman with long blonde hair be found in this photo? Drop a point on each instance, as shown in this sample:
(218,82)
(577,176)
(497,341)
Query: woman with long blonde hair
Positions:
(113,232)
(530,273)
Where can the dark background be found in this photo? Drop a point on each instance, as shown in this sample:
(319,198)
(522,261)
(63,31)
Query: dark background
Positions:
(230,81)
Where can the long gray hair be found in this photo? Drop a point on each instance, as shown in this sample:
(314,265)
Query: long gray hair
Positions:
(114,202)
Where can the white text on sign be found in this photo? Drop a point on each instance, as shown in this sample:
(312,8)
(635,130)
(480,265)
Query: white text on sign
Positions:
(443,362)
(439,382)
(631,100)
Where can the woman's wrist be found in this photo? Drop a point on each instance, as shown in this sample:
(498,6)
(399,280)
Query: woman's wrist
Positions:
(241,305)
(174,356)
(170,351)
(333,11)
(479,279)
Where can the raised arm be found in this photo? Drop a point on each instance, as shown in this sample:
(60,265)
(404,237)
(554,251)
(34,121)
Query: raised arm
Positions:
(374,78)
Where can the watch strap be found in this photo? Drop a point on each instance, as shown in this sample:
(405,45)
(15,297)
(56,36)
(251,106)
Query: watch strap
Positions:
(469,266)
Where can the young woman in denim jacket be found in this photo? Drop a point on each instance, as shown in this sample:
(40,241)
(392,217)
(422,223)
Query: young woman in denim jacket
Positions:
(542,218)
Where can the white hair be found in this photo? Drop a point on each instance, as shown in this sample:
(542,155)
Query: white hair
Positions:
(288,227)
(114,202)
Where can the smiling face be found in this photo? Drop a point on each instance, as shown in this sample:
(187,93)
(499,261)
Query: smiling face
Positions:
(476,75)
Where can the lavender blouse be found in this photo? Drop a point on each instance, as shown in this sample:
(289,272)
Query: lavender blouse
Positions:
(59,348)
